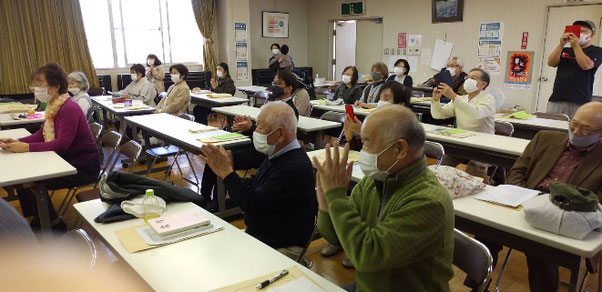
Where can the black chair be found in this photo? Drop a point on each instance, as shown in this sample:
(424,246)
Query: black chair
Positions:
(434,150)
(200,79)
(473,258)
(123,80)
(259,98)
(104,81)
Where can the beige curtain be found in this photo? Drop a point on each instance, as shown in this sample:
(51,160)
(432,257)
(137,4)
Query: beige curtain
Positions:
(204,12)
(37,32)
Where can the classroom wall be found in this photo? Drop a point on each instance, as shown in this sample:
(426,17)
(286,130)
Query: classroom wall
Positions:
(298,30)
(414,17)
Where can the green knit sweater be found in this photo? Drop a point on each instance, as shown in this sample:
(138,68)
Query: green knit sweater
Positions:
(404,244)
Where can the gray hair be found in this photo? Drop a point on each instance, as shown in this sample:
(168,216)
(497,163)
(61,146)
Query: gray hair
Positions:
(404,125)
(459,61)
(280,114)
(81,79)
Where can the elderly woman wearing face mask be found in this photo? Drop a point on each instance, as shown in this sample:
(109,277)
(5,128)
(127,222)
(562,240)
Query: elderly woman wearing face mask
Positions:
(155,73)
(65,131)
(370,96)
(140,88)
(178,95)
(78,87)
(348,91)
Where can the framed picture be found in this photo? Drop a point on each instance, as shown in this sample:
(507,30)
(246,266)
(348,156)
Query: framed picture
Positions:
(275,24)
(447,10)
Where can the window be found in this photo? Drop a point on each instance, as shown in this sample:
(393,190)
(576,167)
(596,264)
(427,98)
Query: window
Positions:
(123,32)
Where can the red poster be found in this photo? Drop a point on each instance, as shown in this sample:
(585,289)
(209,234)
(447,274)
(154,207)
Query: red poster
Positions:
(518,69)
(401,40)
(524,41)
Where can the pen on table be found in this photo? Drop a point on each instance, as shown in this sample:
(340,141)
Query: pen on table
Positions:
(272,280)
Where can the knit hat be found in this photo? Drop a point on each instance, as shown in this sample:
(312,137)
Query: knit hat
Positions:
(572,198)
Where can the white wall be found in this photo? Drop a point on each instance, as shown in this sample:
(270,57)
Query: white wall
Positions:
(414,17)
(298,30)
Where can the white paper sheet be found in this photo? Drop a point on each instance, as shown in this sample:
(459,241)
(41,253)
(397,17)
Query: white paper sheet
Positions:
(507,195)
(441,54)
(302,284)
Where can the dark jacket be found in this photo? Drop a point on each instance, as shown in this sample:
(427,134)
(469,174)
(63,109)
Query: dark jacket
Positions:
(129,185)
(225,85)
(279,201)
(349,95)
(407,82)
(540,156)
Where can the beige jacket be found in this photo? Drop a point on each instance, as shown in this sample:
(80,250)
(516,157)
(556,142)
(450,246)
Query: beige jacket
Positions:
(301,101)
(156,77)
(177,99)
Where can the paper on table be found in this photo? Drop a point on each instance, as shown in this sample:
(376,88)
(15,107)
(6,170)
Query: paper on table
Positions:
(133,242)
(151,238)
(219,95)
(302,284)
(294,273)
(222,138)
(520,115)
(507,195)
(353,155)
(202,128)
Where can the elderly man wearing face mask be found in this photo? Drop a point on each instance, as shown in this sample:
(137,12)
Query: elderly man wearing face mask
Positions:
(397,227)
(455,66)
(279,200)
(575,158)
(577,67)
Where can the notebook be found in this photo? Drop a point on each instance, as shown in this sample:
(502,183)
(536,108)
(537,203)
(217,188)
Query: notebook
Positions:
(176,223)
(507,195)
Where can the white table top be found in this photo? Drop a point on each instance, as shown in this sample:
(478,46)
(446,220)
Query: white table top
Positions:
(117,108)
(6,119)
(18,168)
(537,122)
(203,263)
(178,129)
(513,221)
(221,100)
(252,88)
(306,124)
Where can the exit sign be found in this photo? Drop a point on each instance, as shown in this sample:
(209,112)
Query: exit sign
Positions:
(353,8)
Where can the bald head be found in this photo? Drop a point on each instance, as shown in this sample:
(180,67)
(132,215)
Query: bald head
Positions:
(388,124)
(590,114)
(278,114)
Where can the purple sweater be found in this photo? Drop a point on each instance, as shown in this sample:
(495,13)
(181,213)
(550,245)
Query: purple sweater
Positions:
(73,142)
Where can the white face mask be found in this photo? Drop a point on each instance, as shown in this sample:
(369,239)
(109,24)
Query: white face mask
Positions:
(382,103)
(150,62)
(470,85)
(175,78)
(220,74)
(260,141)
(41,94)
(74,90)
(584,38)
(399,71)
(451,70)
(369,165)
(346,79)
(134,76)
(275,51)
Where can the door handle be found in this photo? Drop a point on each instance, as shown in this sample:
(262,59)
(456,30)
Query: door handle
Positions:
(543,78)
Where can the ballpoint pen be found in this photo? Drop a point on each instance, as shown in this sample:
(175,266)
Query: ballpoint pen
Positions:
(271,280)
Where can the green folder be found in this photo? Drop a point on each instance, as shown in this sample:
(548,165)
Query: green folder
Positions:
(229,136)
(520,115)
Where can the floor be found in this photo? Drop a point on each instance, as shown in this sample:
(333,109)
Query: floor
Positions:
(515,276)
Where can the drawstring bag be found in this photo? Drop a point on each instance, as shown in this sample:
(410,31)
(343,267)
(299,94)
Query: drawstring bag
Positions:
(568,211)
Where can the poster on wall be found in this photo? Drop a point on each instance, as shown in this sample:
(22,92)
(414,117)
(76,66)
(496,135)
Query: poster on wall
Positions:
(415,40)
(241,51)
(242,70)
(519,69)
(441,54)
(489,49)
(240,32)
(402,40)
(275,24)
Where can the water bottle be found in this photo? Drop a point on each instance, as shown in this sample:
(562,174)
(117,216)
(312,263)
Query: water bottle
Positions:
(150,205)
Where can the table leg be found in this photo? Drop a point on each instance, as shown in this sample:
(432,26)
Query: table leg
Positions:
(318,138)
(105,118)
(41,194)
(221,196)
(135,133)
(577,274)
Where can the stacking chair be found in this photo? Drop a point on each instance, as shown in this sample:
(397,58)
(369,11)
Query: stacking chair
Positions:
(473,258)
(81,239)
(110,139)
(504,128)
(302,259)
(96,129)
(334,117)
(131,150)
(434,150)
(259,98)
(164,151)
(552,116)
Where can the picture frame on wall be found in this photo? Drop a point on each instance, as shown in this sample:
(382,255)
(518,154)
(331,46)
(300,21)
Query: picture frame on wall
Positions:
(274,24)
(448,11)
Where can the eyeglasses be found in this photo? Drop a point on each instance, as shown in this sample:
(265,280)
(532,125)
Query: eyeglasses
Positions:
(585,130)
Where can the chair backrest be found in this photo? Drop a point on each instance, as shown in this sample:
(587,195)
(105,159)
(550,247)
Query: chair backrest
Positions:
(131,150)
(104,80)
(504,128)
(262,77)
(186,116)
(94,91)
(417,93)
(259,98)
(93,114)
(473,258)
(81,241)
(96,129)
(434,150)
(112,140)
(333,117)
(418,116)
(123,80)
(552,116)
